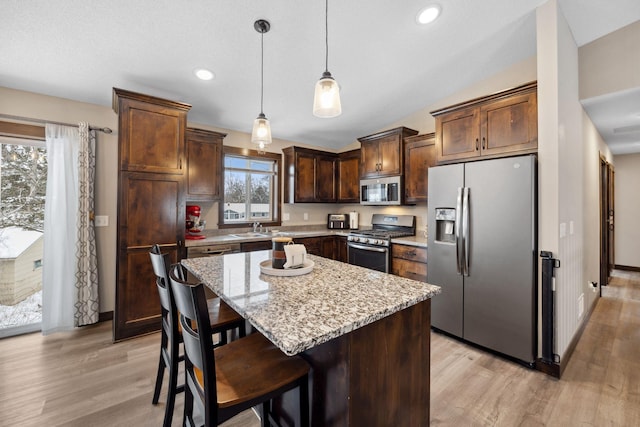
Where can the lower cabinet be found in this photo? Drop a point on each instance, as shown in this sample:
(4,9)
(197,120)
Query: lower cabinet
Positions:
(333,247)
(255,246)
(409,261)
(341,249)
(323,246)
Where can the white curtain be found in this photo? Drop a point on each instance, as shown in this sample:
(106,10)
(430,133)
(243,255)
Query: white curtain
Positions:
(66,270)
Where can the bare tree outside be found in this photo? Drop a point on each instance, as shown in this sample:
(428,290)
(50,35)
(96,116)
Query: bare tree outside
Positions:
(23,184)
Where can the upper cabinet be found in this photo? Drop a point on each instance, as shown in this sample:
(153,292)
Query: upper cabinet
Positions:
(310,175)
(419,156)
(348,183)
(381,154)
(151,132)
(500,124)
(204,164)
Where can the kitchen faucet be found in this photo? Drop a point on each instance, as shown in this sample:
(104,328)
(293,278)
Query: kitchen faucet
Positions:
(256,225)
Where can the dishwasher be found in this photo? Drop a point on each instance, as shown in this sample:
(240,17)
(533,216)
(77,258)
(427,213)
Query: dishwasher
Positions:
(212,250)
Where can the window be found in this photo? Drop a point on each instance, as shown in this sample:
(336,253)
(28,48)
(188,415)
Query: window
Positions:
(23,175)
(251,189)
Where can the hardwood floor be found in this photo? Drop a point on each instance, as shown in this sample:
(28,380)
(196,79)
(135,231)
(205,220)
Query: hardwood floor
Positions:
(600,386)
(82,379)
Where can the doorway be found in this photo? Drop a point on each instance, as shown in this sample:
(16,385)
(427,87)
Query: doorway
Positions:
(23,176)
(607,235)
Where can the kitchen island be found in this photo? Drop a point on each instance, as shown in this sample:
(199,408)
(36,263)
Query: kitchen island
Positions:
(365,334)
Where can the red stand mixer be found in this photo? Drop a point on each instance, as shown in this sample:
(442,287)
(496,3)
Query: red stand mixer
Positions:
(194,224)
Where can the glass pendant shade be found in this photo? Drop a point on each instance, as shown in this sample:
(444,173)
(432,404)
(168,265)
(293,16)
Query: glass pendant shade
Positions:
(326,100)
(261,133)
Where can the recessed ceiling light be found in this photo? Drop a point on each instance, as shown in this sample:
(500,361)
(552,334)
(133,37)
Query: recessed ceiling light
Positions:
(428,14)
(203,74)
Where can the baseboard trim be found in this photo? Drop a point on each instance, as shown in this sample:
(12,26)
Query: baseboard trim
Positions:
(626,267)
(548,368)
(106,316)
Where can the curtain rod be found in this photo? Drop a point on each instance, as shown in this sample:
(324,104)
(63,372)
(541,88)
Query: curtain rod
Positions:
(27,119)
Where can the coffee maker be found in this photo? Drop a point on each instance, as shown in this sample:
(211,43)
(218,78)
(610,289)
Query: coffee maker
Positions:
(194,224)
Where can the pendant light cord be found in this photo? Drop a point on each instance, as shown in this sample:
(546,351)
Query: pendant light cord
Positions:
(326,36)
(261,71)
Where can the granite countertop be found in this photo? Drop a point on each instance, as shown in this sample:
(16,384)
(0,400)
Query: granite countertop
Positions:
(243,237)
(300,312)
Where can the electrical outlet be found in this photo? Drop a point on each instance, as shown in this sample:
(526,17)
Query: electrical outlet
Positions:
(285,216)
(101,221)
(305,216)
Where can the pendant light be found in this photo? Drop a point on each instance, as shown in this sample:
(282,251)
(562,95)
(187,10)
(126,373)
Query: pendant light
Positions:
(261,133)
(326,100)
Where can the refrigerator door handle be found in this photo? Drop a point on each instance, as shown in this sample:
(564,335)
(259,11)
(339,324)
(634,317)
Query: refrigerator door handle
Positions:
(465,231)
(459,231)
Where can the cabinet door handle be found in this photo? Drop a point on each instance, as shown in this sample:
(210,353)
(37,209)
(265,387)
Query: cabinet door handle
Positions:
(477,146)
(483,142)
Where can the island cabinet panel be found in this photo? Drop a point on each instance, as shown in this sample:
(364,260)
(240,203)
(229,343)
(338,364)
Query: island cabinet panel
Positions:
(310,176)
(151,203)
(388,360)
(501,124)
(204,164)
(381,154)
(419,156)
(348,184)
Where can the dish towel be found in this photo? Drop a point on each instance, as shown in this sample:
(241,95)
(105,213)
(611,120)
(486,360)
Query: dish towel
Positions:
(296,255)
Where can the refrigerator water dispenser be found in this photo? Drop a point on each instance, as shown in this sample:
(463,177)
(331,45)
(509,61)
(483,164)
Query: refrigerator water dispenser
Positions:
(445,225)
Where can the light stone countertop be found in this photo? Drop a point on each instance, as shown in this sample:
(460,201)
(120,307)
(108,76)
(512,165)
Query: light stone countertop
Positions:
(300,312)
(417,240)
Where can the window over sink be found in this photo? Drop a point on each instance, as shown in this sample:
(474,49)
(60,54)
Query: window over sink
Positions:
(251,189)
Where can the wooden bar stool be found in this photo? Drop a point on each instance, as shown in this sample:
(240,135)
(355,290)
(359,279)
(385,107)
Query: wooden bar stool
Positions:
(222,319)
(235,377)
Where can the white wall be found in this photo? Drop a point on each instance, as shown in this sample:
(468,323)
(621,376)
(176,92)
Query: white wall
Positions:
(569,150)
(36,106)
(594,147)
(598,74)
(627,210)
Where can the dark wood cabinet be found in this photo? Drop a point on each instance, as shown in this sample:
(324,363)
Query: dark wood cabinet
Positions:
(348,182)
(151,203)
(204,164)
(341,249)
(256,246)
(419,156)
(310,176)
(150,133)
(323,246)
(409,261)
(381,154)
(502,124)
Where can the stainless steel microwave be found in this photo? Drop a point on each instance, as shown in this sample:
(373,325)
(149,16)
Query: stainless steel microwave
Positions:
(380,191)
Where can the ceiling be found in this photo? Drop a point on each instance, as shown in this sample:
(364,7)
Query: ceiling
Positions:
(388,67)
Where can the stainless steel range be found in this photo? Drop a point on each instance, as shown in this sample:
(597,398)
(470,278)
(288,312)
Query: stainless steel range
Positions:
(371,248)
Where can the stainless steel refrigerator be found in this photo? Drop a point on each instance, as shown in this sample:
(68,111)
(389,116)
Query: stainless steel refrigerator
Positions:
(482,248)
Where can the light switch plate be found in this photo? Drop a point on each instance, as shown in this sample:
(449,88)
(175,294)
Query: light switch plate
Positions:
(101,221)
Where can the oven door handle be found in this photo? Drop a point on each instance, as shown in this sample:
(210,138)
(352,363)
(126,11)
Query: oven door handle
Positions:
(368,248)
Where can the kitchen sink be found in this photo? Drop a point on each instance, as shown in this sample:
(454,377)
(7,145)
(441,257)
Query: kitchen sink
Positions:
(251,234)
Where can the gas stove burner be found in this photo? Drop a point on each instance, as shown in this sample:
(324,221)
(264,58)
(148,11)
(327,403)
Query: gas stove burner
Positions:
(385,228)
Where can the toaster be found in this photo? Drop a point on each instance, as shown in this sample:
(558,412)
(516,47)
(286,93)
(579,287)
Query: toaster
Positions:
(338,221)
